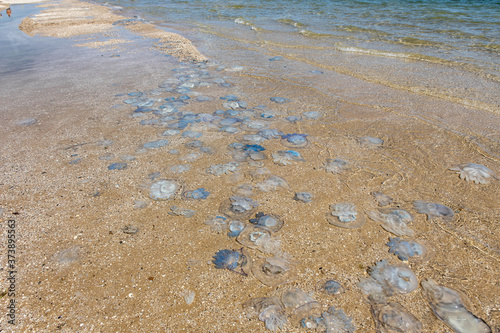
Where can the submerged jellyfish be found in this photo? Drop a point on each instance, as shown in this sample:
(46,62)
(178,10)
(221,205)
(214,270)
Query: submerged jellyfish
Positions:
(336,166)
(285,157)
(382,199)
(165,189)
(269,222)
(330,287)
(274,271)
(387,280)
(238,207)
(259,238)
(371,141)
(407,250)
(477,173)
(68,255)
(117,166)
(198,194)
(272,183)
(393,220)
(267,309)
(182,211)
(270,133)
(345,215)
(448,306)
(235,228)
(298,302)
(155,144)
(295,140)
(331,321)
(280,100)
(434,210)
(303,197)
(393,318)
(217,224)
(223,169)
(237,261)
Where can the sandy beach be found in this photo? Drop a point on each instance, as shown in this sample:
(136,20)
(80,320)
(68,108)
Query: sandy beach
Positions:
(94,251)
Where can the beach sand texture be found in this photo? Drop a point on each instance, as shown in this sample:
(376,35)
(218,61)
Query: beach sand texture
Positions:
(78,271)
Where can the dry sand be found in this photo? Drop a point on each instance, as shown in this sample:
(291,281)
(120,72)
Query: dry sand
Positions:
(119,282)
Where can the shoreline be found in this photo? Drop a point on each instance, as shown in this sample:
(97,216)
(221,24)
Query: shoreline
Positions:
(82,269)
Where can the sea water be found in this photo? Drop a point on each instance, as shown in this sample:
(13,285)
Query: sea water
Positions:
(445,49)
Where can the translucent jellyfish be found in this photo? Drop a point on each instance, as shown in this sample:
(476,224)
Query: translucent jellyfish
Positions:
(68,255)
(407,250)
(155,144)
(165,189)
(394,318)
(448,306)
(254,125)
(26,122)
(434,210)
(330,287)
(294,140)
(274,271)
(345,215)
(223,169)
(477,173)
(267,309)
(286,157)
(190,157)
(382,199)
(393,220)
(272,183)
(180,168)
(371,141)
(230,98)
(235,228)
(331,321)
(298,302)
(270,133)
(139,204)
(241,152)
(117,166)
(245,190)
(303,197)
(238,261)
(198,194)
(280,100)
(260,239)
(177,211)
(130,229)
(253,139)
(336,166)
(277,58)
(312,115)
(217,224)
(391,278)
(269,222)
(238,207)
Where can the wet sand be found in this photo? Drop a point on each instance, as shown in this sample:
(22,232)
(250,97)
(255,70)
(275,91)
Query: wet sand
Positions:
(123,282)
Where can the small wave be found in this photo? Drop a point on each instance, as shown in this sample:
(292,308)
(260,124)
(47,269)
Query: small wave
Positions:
(292,23)
(353,28)
(242,21)
(313,34)
(354,49)
(490,47)
(412,41)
